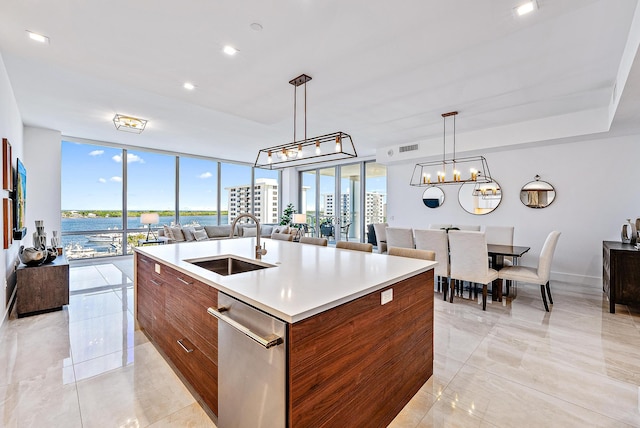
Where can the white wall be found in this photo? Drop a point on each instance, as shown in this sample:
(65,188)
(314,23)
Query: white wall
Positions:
(597,188)
(11,128)
(43,162)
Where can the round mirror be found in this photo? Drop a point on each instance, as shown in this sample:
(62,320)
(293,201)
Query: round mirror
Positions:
(537,194)
(480,198)
(433,197)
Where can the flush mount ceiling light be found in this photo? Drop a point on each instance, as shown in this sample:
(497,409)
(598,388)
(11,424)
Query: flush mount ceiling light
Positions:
(189,86)
(526,8)
(129,124)
(38,37)
(230,50)
(448,170)
(325,148)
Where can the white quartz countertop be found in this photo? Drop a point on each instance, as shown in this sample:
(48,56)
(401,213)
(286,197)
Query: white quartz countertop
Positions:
(305,280)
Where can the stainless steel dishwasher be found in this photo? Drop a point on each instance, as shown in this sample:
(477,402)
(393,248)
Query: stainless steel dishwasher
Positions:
(251,366)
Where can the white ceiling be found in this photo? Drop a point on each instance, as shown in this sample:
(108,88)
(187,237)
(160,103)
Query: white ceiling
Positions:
(382,71)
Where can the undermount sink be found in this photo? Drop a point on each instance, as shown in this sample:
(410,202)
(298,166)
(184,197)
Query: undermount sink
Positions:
(228,265)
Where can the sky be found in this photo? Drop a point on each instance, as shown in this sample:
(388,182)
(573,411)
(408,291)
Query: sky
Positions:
(92,180)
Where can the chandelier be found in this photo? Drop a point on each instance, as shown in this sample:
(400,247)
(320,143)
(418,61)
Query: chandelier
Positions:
(325,148)
(451,170)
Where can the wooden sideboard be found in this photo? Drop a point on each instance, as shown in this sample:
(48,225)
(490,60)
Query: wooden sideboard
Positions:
(620,274)
(42,288)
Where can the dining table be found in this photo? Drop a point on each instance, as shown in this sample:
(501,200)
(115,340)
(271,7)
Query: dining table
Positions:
(497,254)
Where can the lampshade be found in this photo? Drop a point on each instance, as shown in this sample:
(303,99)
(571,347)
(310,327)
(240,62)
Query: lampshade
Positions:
(299,218)
(149,218)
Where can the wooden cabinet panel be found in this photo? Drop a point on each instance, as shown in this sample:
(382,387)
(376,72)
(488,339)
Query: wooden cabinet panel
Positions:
(337,358)
(620,274)
(172,308)
(197,368)
(42,288)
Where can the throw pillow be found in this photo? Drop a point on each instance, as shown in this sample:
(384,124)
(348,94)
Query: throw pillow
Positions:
(188,232)
(249,231)
(200,235)
(168,232)
(281,229)
(178,236)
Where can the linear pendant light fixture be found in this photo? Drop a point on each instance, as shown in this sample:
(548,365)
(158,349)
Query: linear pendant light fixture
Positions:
(325,148)
(450,170)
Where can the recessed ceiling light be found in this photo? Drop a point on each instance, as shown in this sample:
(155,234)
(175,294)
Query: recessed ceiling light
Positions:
(229,50)
(38,37)
(189,86)
(256,26)
(527,7)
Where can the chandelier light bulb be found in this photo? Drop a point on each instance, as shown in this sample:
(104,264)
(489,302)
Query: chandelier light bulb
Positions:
(338,144)
(269,157)
(318,151)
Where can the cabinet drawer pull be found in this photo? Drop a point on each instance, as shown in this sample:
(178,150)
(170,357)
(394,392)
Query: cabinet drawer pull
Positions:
(185,282)
(154,282)
(184,347)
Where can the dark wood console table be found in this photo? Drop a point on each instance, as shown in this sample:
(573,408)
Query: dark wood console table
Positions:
(42,288)
(620,274)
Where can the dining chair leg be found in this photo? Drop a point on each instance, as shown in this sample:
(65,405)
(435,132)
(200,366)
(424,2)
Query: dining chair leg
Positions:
(444,289)
(544,297)
(508,286)
(452,284)
(498,283)
(549,293)
(484,297)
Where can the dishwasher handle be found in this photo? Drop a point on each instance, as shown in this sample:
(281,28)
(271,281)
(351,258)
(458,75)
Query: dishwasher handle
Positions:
(266,342)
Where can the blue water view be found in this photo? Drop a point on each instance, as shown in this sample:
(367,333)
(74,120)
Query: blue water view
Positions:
(104,243)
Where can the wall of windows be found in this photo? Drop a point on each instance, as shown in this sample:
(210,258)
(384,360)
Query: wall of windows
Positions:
(100,183)
(337,202)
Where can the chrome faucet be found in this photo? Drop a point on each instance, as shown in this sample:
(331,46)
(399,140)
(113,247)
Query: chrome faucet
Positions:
(259,250)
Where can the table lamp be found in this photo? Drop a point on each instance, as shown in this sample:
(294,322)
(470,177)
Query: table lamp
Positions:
(149,219)
(299,219)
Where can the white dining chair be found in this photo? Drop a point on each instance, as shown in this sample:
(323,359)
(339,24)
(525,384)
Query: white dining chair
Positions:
(400,237)
(539,275)
(439,226)
(499,235)
(436,240)
(468,252)
(381,236)
(474,228)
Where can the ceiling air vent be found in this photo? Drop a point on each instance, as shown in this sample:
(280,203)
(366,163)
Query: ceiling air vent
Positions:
(409,148)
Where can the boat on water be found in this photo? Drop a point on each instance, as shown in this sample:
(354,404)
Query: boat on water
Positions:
(102,237)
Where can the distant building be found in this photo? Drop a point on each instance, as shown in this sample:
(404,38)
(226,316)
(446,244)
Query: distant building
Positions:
(265,203)
(374,210)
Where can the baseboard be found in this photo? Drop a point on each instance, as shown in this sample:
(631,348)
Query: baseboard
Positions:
(12,301)
(590,281)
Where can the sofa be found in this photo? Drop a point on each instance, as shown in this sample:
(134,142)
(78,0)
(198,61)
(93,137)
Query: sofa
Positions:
(177,233)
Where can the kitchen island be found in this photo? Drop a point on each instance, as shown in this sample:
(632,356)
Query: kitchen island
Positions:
(357,342)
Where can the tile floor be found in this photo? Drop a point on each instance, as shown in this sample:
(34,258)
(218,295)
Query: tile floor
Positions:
(513,365)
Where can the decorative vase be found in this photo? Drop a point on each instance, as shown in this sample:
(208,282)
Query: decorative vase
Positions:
(55,241)
(629,233)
